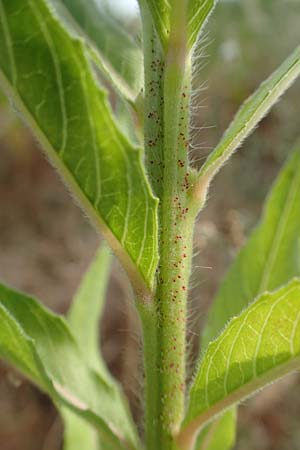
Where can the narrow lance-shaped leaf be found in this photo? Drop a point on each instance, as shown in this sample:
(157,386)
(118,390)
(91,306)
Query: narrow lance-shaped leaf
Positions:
(83,318)
(269,259)
(256,348)
(87,307)
(47,74)
(120,55)
(198,14)
(41,346)
(248,117)
(271,256)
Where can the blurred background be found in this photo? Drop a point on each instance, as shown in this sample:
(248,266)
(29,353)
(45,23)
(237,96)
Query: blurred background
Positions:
(46,242)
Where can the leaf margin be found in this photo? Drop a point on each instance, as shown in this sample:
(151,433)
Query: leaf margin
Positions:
(192,422)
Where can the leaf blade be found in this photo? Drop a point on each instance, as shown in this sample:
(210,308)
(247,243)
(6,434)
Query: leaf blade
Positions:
(257,268)
(248,117)
(219,434)
(256,262)
(257,347)
(87,307)
(40,344)
(83,318)
(198,14)
(48,75)
(120,55)
(78,434)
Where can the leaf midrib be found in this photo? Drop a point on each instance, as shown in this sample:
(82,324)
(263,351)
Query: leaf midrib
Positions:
(141,281)
(138,282)
(188,433)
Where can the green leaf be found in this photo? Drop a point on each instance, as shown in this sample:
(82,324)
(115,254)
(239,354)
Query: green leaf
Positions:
(48,76)
(129,123)
(248,117)
(78,434)
(219,435)
(83,318)
(270,257)
(197,13)
(256,348)
(41,346)
(87,306)
(160,13)
(120,55)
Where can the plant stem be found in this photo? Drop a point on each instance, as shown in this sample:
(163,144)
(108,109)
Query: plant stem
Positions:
(166,121)
(177,222)
(171,302)
(153,143)
(150,349)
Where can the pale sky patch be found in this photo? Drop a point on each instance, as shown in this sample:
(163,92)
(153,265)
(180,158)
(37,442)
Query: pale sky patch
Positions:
(123,7)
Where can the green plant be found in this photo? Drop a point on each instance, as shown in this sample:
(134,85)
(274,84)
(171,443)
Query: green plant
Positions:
(54,63)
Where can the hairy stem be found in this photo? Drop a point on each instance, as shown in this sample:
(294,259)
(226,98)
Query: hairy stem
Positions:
(153,143)
(175,240)
(150,350)
(166,120)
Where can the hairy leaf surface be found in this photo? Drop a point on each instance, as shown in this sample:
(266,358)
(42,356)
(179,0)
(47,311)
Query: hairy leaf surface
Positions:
(269,259)
(251,113)
(257,347)
(41,346)
(47,74)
